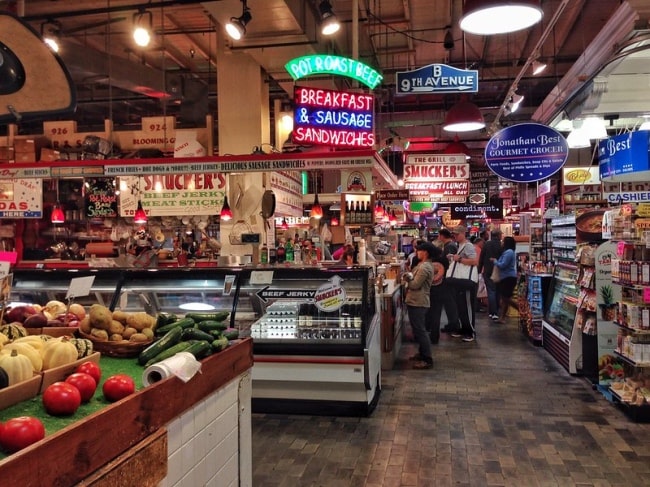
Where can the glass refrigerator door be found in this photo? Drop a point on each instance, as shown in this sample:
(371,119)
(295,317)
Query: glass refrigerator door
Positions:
(563,305)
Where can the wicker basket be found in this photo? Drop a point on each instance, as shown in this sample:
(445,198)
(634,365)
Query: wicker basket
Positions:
(122,349)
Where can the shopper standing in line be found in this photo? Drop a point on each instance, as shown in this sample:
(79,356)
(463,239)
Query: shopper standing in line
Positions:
(418,302)
(464,289)
(507,264)
(491,251)
(441,295)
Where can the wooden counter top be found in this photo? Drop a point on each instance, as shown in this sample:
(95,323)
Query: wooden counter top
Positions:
(73,453)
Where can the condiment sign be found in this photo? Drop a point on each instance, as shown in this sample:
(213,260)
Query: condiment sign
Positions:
(526,152)
(437,78)
(334,118)
(305,66)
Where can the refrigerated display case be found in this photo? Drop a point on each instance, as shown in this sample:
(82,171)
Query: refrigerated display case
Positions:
(315,330)
(317,341)
(559,335)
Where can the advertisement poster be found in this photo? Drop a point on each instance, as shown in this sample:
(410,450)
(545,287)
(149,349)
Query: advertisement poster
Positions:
(174,194)
(607,297)
(21,198)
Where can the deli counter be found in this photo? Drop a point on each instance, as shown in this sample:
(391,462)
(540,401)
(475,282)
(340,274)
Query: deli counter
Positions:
(315,330)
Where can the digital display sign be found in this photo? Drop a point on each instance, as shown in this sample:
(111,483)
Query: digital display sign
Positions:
(335,118)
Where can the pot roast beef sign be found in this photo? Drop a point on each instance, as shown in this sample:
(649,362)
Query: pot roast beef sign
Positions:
(526,152)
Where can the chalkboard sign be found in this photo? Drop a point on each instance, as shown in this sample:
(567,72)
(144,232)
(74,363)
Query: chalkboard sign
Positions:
(101,200)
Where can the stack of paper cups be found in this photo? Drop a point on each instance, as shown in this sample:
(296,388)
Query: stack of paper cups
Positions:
(183,365)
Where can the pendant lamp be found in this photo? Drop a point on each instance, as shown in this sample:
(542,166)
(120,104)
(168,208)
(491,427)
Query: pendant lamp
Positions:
(140,216)
(57,215)
(489,17)
(226,212)
(464,116)
(284,224)
(316,210)
(457,147)
(379,210)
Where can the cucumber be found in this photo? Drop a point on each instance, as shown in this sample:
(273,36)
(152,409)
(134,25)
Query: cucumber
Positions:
(169,352)
(231,333)
(182,323)
(211,325)
(200,349)
(195,334)
(219,344)
(172,337)
(214,316)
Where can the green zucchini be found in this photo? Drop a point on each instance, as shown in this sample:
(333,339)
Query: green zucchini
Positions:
(170,352)
(219,344)
(182,323)
(214,315)
(195,334)
(165,319)
(172,337)
(231,333)
(211,325)
(200,349)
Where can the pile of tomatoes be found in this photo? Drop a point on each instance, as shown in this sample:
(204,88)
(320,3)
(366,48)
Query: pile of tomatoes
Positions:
(63,399)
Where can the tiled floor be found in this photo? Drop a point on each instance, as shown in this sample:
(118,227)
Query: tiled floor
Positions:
(496,412)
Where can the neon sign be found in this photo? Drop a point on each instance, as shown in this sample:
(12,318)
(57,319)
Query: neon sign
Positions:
(324,117)
(304,66)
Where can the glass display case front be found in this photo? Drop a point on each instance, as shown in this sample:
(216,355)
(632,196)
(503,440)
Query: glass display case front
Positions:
(563,305)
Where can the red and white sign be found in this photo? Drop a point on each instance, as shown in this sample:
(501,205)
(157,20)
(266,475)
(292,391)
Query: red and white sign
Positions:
(21,198)
(287,187)
(437,178)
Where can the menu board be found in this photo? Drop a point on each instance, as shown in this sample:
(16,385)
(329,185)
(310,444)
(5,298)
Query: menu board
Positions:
(101,200)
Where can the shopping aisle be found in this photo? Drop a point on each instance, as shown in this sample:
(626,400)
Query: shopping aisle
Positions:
(496,412)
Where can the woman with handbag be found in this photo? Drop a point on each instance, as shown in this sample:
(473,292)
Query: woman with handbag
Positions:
(462,276)
(506,265)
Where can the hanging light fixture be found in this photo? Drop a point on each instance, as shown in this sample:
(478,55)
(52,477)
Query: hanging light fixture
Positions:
(284,225)
(57,215)
(236,28)
(140,216)
(646,123)
(329,23)
(457,147)
(142,27)
(226,212)
(379,210)
(577,139)
(594,128)
(489,17)
(50,32)
(316,210)
(464,116)
(334,221)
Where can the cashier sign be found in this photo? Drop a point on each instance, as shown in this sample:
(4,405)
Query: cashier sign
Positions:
(330,296)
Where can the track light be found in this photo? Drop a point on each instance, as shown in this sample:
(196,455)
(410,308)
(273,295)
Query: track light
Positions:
(142,28)
(489,17)
(50,32)
(236,28)
(226,212)
(538,67)
(329,23)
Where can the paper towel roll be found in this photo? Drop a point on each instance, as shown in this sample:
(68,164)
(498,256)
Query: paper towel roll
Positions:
(183,365)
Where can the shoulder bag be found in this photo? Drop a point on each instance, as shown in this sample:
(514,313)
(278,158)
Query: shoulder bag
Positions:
(496,274)
(462,271)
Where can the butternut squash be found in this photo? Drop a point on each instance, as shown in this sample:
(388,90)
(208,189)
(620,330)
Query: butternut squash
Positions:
(58,352)
(18,367)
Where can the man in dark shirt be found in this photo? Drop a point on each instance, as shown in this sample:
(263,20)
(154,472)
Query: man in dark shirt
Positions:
(491,249)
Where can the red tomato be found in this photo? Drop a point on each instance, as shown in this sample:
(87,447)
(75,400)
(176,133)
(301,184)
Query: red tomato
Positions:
(61,399)
(118,386)
(92,369)
(85,383)
(17,433)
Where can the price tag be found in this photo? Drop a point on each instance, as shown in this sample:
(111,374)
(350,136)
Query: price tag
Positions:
(646,294)
(80,286)
(620,249)
(261,277)
(4,269)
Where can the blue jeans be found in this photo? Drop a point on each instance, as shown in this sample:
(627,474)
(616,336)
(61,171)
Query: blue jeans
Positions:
(492,295)
(417,316)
